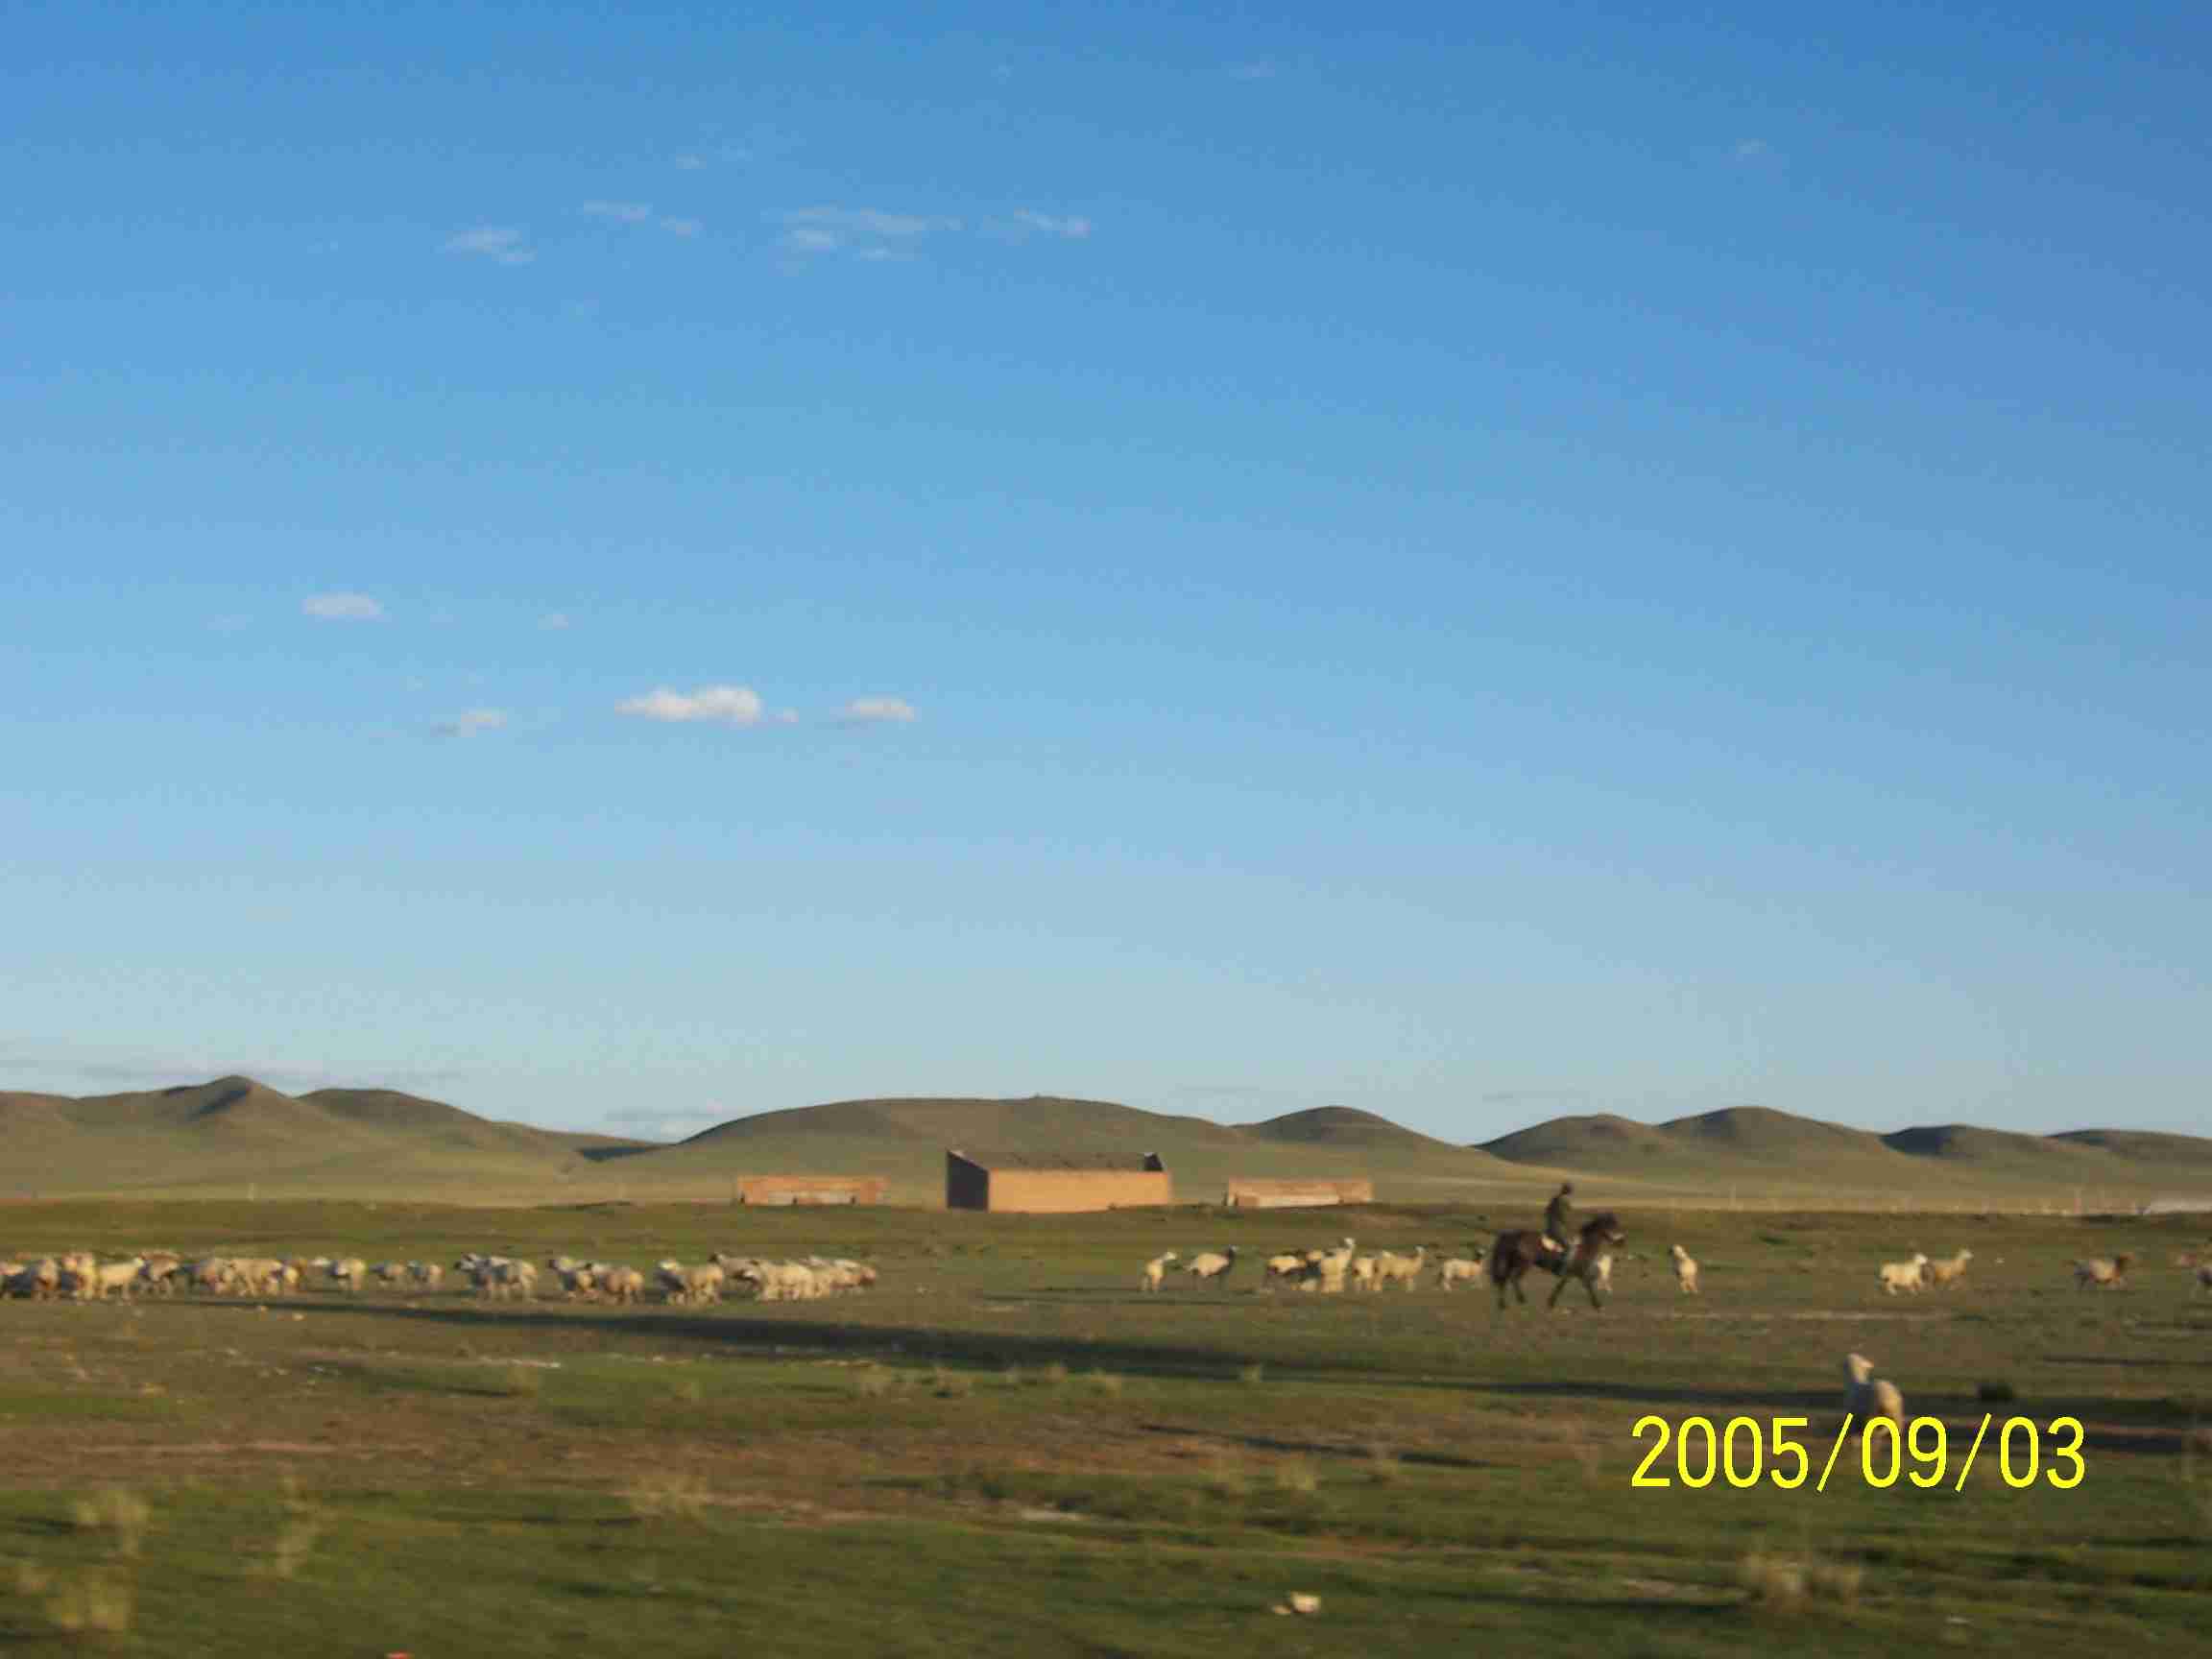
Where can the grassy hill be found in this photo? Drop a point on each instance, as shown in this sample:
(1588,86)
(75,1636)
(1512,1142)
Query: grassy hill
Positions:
(1345,1127)
(904,1140)
(233,1137)
(1761,1155)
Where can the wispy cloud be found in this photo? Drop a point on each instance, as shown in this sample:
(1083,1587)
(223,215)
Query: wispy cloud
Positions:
(234,622)
(713,705)
(501,244)
(878,712)
(554,620)
(1069,228)
(864,232)
(1754,153)
(641,213)
(471,721)
(343,608)
(1255,69)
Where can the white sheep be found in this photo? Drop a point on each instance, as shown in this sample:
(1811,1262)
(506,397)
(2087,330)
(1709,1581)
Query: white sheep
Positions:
(685,1285)
(350,1273)
(1364,1273)
(1896,1276)
(1868,1395)
(1685,1269)
(1947,1271)
(1393,1269)
(624,1284)
(2106,1273)
(1453,1270)
(1601,1270)
(424,1275)
(115,1278)
(1332,1269)
(1212,1266)
(1156,1272)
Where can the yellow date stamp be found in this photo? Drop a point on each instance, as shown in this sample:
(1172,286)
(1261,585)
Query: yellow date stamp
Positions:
(1748,1450)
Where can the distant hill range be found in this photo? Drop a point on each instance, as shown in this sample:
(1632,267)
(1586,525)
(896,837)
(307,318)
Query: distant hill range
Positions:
(1748,1145)
(235,1137)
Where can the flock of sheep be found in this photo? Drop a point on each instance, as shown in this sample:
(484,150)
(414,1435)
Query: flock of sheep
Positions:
(83,1277)
(1333,1270)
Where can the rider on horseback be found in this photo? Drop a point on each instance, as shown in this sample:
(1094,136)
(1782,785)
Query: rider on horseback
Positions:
(1560,1219)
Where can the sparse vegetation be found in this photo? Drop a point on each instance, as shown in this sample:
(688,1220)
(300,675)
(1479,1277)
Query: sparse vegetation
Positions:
(1449,1477)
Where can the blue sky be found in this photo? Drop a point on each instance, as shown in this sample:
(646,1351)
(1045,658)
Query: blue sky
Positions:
(628,570)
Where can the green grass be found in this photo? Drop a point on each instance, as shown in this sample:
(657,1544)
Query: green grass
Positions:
(1007,1448)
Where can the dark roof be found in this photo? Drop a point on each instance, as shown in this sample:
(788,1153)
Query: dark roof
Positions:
(1008,1158)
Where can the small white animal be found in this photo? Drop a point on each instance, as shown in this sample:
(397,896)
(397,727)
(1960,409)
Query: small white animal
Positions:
(1896,1276)
(1685,1269)
(1869,1396)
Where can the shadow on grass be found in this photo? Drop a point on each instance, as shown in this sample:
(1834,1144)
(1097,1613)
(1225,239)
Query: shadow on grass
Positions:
(769,1338)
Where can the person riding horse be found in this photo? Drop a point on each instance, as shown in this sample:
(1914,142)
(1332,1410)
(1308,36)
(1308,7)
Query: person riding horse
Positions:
(1559,1217)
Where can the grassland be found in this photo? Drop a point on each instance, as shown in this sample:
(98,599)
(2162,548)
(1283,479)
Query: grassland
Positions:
(1006,1448)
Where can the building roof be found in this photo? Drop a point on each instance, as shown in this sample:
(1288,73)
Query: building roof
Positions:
(1078,1162)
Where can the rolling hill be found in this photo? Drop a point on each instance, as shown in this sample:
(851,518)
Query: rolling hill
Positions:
(905,1139)
(1758,1150)
(236,1135)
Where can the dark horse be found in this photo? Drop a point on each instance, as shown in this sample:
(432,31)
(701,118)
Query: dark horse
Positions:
(1515,1253)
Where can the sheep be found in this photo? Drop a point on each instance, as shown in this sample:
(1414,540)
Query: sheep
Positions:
(1944,1274)
(117,1277)
(1332,1268)
(2204,1277)
(1685,1269)
(1601,1270)
(623,1285)
(1212,1266)
(40,1280)
(1868,1395)
(160,1273)
(1392,1268)
(692,1284)
(1363,1273)
(424,1275)
(2106,1273)
(390,1273)
(1896,1276)
(350,1273)
(1453,1270)
(1285,1267)
(1156,1272)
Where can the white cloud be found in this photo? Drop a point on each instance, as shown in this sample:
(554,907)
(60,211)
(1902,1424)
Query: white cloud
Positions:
(867,232)
(641,213)
(1072,228)
(471,721)
(691,163)
(502,244)
(1255,69)
(878,712)
(1749,150)
(343,608)
(554,619)
(722,705)
(232,623)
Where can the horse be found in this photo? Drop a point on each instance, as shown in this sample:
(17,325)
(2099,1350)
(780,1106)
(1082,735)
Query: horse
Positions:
(1514,1253)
